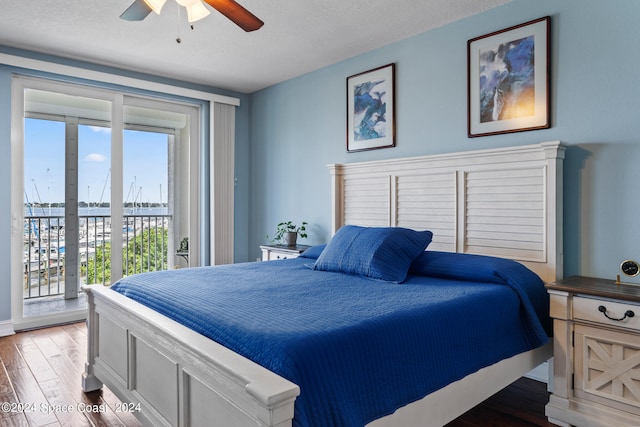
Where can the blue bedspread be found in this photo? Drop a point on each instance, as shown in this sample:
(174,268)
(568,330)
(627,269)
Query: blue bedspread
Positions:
(358,348)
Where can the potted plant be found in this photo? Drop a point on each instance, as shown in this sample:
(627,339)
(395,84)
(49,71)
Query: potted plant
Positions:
(287,232)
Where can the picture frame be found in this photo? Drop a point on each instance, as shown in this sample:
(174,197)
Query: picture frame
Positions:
(371,109)
(508,75)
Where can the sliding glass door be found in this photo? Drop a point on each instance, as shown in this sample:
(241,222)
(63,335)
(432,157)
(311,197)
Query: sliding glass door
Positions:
(66,139)
(100,176)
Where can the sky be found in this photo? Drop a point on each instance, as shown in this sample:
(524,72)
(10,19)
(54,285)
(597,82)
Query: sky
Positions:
(145,164)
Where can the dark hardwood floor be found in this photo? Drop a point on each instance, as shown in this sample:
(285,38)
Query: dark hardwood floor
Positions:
(520,404)
(40,385)
(40,380)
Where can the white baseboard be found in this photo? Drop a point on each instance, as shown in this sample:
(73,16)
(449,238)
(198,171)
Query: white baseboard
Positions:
(6,328)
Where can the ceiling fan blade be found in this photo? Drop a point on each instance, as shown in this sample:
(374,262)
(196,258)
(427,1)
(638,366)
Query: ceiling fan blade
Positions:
(138,10)
(237,14)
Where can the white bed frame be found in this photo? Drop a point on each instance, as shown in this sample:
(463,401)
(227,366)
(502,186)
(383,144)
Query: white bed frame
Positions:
(503,202)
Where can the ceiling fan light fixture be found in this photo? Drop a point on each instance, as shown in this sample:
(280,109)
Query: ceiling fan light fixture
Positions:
(196,11)
(155,5)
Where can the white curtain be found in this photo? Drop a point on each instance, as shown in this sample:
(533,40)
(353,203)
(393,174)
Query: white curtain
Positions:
(222,180)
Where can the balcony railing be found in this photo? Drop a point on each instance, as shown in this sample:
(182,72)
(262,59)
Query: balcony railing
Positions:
(144,248)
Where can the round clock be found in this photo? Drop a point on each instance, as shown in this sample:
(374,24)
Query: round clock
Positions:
(630,268)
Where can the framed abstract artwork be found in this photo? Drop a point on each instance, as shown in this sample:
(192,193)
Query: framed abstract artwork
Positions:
(508,79)
(371,109)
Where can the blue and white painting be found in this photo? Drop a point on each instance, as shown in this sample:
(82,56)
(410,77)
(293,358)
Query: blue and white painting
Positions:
(507,81)
(369,110)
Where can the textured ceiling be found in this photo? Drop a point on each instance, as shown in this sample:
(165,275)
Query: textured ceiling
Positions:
(298,36)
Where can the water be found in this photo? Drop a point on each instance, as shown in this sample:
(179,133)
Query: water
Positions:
(59,212)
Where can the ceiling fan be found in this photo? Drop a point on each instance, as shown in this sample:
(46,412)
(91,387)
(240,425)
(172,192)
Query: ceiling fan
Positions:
(246,20)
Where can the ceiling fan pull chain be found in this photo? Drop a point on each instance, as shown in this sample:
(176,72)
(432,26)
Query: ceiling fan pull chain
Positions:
(178,39)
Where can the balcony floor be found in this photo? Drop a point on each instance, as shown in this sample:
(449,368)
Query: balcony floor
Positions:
(53,305)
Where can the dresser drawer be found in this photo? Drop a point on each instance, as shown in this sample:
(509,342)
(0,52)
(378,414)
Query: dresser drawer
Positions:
(597,310)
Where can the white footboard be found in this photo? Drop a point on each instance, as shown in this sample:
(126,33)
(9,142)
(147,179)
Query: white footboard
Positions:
(177,376)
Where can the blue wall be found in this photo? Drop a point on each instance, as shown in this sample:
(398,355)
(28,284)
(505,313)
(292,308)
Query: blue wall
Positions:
(298,127)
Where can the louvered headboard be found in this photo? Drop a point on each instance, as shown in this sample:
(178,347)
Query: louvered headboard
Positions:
(503,202)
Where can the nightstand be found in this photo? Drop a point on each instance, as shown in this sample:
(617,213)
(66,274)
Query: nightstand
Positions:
(596,328)
(271,252)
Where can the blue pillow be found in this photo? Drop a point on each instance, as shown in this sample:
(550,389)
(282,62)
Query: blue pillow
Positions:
(487,269)
(377,252)
(467,267)
(313,252)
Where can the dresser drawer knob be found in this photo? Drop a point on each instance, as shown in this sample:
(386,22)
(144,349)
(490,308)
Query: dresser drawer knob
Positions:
(602,309)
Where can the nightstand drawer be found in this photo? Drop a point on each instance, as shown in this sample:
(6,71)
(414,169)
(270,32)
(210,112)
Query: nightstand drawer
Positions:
(607,312)
(272,255)
(273,252)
